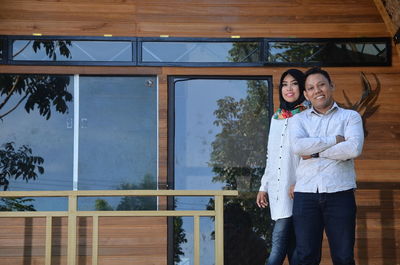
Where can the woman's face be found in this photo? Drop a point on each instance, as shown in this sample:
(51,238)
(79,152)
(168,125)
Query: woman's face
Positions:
(290,89)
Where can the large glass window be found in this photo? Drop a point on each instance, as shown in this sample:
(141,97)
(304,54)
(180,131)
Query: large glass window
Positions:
(105,127)
(220,138)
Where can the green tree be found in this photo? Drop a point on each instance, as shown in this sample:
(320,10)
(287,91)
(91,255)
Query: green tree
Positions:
(33,92)
(243,52)
(138,203)
(238,160)
(16,204)
(41,92)
(179,238)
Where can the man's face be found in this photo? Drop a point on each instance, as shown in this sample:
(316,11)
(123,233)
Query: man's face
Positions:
(319,92)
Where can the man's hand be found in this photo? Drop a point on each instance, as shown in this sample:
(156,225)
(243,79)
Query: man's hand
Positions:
(306,157)
(262,199)
(291,192)
(339,139)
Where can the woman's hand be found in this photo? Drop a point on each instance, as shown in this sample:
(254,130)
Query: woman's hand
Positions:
(291,191)
(262,199)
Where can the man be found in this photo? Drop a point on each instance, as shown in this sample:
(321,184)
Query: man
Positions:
(327,138)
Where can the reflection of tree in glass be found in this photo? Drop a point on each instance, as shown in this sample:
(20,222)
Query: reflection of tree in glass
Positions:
(128,203)
(179,238)
(51,48)
(18,163)
(295,52)
(243,52)
(41,92)
(139,203)
(238,160)
(16,204)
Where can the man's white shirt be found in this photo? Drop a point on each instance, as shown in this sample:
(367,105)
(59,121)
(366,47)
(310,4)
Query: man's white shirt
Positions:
(311,133)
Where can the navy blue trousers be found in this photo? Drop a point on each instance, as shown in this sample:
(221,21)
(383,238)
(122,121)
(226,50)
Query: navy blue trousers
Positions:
(334,212)
(283,243)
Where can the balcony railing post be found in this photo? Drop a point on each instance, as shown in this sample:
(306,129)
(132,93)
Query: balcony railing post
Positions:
(196,239)
(219,230)
(49,228)
(72,209)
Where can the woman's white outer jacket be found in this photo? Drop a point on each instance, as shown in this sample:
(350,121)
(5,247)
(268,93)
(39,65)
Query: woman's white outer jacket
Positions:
(280,169)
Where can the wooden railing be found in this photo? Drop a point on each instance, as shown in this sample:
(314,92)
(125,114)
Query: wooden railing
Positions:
(73,213)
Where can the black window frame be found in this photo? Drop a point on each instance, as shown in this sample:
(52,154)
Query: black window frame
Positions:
(137,42)
(201,64)
(11,61)
(3,43)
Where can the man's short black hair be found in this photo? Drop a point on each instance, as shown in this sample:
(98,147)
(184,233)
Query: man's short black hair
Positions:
(317,70)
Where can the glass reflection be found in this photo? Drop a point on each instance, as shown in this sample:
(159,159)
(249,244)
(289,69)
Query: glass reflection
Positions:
(327,52)
(36,141)
(117,135)
(186,52)
(67,50)
(221,130)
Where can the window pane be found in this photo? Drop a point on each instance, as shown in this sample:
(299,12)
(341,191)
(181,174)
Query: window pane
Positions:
(201,52)
(39,127)
(117,135)
(221,128)
(67,50)
(328,53)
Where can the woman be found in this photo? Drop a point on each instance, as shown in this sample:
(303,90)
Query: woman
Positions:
(279,176)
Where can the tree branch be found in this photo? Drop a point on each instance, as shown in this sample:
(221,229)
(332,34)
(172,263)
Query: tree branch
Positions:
(23,48)
(16,106)
(10,93)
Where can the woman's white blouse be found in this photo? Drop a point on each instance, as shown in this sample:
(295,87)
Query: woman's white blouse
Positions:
(280,169)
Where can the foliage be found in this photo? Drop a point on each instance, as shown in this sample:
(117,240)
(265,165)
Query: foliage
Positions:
(16,204)
(18,163)
(51,48)
(102,205)
(243,52)
(41,92)
(138,203)
(36,91)
(179,238)
(238,160)
(238,151)
(296,53)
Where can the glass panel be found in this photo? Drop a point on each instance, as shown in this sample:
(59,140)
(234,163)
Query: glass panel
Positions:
(186,52)
(67,50)
(221,128)
(37,132)
(326,53)
(117,135)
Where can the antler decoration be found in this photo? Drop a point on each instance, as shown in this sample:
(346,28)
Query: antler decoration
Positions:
(366,104)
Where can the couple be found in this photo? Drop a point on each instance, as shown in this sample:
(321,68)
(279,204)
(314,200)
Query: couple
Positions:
(309,176)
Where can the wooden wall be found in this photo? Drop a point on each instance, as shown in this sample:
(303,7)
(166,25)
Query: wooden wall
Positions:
(378,224)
